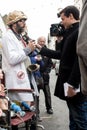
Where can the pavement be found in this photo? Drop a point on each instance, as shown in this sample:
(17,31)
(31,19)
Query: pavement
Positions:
(59,119)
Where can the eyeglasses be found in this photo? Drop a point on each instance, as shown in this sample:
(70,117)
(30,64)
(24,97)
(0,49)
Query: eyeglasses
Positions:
(22,20)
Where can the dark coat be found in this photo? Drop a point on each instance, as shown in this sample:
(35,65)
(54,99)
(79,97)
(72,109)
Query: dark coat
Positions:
(69,67)
(46,69)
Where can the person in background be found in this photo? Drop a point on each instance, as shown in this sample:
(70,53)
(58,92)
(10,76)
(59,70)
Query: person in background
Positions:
(82,47)
(42,75)
(45,70)
(69,72)
(14,55)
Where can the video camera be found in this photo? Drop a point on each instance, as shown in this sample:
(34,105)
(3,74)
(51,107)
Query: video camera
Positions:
(57,29)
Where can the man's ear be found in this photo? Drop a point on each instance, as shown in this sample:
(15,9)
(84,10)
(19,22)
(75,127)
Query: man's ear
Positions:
(71,16)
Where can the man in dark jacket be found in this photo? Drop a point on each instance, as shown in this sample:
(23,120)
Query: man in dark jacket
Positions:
(69,73)
(45,70)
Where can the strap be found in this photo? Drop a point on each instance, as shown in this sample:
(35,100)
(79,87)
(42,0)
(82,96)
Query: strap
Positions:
(21,90)
(24,43)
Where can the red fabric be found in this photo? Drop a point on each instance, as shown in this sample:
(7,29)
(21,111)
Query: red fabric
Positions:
(18,120)
(24,43)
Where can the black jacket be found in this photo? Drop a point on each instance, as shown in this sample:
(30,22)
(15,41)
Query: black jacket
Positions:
(69,67)
(46,69)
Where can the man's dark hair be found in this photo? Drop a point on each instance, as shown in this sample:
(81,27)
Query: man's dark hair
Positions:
(70,10)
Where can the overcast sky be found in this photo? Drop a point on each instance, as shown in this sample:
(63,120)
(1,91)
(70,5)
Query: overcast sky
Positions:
(40,13)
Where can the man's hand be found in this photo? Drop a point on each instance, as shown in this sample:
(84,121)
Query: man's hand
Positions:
(38,46)
(71,92)
(32,45)
(38,57)
(59,39)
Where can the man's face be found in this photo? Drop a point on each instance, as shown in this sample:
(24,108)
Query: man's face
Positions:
(41,42)
(66,21)
(20,26)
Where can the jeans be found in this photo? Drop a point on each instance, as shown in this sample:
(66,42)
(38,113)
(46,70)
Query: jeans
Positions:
(77,115)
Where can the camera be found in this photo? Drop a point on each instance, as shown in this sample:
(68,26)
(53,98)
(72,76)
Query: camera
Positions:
(57,30)
(25,37)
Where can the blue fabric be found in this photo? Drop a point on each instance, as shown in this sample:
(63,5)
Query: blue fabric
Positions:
(77,115)
(34,61)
